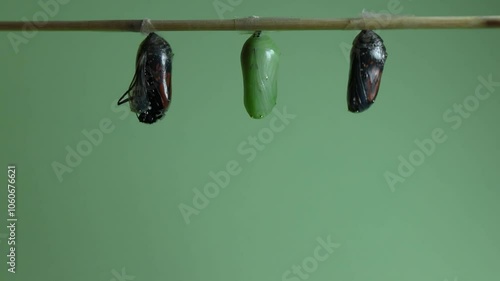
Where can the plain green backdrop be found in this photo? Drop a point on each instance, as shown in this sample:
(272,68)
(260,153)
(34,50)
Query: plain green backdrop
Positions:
(116,216)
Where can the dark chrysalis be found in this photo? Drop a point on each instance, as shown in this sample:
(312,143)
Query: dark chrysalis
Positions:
(150,91)
(368,55)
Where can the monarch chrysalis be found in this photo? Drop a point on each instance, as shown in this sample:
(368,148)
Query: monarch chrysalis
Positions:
(259,64)
(368,55)
(150,91)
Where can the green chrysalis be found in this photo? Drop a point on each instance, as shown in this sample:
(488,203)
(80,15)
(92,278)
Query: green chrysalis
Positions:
(259,64)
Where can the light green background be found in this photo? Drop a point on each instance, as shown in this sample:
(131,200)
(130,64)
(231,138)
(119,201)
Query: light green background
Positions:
(322,175)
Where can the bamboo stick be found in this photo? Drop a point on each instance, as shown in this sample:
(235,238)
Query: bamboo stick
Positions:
(257,23)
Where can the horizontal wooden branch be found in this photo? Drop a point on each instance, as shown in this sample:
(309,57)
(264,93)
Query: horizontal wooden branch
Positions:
(377,22)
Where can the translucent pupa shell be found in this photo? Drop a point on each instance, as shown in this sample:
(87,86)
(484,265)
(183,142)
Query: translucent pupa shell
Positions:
(150,91)
(368,56)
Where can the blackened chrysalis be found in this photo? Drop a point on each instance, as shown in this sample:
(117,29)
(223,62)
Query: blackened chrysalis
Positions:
(150,91)
(368,55)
